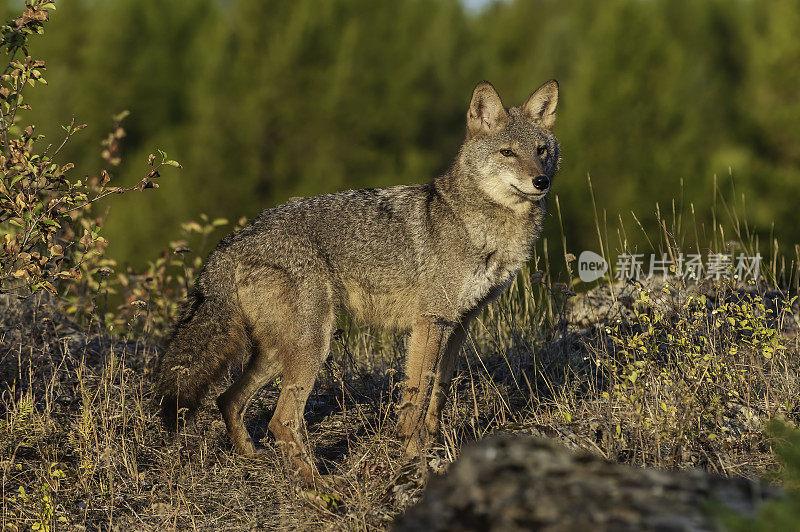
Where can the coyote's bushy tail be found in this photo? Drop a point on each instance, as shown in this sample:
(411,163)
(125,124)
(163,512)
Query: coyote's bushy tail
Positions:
(208,334)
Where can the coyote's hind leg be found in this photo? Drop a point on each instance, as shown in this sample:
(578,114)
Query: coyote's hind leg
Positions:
(261,369)
(301,365)
(304,346)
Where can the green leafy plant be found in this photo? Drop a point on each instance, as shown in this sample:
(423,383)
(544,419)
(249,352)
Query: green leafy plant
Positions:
(48,233)
(684,367)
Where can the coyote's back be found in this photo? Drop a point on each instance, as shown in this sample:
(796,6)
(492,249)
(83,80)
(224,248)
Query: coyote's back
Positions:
(425,258)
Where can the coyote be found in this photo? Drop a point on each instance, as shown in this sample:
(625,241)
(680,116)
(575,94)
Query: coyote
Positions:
(425,258)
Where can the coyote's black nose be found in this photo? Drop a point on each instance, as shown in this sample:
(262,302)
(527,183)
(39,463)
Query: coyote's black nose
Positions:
(542,182)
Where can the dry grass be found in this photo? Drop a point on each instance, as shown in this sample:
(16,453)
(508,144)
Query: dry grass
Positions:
(80,445)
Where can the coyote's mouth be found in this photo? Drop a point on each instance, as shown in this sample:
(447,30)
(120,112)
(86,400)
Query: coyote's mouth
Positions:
(530,195)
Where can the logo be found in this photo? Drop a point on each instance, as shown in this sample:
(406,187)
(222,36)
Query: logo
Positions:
(636,266)
(591,266)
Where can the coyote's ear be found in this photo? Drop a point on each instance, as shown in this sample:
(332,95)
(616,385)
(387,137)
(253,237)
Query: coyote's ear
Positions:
(486,111)
(541,106)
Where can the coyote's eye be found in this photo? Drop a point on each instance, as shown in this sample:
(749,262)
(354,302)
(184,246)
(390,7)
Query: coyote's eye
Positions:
(507,153)
(542,151)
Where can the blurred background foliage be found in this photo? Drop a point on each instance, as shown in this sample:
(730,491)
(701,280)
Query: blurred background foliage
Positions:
(261,101)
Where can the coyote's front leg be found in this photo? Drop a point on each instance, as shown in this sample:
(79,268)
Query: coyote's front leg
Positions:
(429,339)
(445,369)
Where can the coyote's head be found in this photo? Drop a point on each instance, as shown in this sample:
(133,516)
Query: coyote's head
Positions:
(511,153)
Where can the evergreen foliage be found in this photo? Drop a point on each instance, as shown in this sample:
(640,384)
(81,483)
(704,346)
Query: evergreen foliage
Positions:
(262,101)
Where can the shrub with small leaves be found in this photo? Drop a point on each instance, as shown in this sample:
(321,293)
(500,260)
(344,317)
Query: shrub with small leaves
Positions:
(694,367)
(48,233)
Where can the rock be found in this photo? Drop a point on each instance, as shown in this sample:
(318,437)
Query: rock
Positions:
(526,483)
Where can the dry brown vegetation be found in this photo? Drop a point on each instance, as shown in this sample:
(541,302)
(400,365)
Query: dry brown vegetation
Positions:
(82,447)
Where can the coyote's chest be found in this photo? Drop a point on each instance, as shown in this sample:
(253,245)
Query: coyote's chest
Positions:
(501,248)
(489,279)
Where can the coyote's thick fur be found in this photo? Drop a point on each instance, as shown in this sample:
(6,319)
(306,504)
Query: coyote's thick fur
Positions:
(425,258)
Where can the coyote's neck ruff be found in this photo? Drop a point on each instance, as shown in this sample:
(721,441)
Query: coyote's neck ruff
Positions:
(501,235)
(422,257)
